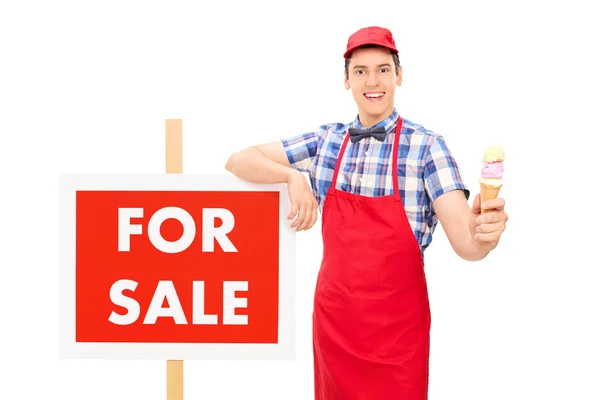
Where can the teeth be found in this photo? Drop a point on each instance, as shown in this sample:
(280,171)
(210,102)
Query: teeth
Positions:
(373,95)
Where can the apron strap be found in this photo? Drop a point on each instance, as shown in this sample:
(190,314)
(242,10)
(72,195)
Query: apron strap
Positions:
(395,159)
(339,160)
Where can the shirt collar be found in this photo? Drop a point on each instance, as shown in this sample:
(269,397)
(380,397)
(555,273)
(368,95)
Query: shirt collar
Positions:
(388,122)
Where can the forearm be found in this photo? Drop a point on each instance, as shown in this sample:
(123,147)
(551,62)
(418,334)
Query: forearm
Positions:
(252,165)
(459,223)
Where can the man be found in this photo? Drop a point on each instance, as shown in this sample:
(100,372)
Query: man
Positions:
(382,183)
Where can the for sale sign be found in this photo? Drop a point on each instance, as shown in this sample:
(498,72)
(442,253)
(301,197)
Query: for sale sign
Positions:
(175,267)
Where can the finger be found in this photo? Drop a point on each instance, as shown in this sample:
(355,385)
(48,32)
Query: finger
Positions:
(311,216)
(302,222)
(489,228)
(487,237)
(300,218)
(494,204)
(490,217)
(293,211)
(476,208)
(307,218)
(483,219)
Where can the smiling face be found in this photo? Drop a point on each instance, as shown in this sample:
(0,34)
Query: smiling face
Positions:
(373,75)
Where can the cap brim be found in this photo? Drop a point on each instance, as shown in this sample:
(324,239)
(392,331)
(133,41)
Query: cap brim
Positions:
(387,46)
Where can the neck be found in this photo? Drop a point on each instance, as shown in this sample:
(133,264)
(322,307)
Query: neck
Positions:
(368,120)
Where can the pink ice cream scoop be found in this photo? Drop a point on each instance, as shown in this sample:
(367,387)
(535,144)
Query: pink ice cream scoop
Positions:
(492,169)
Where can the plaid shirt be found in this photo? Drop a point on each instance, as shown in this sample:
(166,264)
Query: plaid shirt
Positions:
(426,167)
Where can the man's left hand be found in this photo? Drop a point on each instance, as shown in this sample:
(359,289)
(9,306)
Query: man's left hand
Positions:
(488,227)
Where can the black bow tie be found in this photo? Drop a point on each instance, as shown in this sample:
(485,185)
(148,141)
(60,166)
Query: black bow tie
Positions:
(357,134)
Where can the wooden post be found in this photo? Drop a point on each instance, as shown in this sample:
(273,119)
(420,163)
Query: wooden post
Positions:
(174,146)
(174,165)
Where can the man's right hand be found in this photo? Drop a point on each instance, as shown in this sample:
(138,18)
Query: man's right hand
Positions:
(268,163)
(304,204)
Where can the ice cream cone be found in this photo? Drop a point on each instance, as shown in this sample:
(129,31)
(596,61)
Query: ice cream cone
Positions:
(492,170)
(489,189)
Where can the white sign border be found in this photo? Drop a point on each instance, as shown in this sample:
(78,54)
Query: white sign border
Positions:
(70,349)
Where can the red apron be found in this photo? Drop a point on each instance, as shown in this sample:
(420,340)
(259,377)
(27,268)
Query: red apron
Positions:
(371,318)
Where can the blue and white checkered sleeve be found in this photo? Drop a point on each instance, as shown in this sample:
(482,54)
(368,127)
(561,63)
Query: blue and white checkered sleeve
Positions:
(442,173)
(301,150)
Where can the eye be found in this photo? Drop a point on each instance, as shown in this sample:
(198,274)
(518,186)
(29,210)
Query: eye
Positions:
(359,71)
(384,70)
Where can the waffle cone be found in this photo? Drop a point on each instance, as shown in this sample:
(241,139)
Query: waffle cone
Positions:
(488,192)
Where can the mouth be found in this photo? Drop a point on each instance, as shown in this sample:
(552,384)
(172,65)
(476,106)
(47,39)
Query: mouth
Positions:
(374,96)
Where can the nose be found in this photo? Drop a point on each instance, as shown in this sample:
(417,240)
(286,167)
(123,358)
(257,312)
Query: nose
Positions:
(372,80)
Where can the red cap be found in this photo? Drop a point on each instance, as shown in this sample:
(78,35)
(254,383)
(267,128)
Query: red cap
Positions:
(371,35)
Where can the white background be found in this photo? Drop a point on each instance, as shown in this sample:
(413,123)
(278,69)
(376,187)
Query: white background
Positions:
(83,86)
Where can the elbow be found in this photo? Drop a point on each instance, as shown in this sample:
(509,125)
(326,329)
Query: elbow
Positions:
(471,252)
(472,256)
(230,164)
(240,160)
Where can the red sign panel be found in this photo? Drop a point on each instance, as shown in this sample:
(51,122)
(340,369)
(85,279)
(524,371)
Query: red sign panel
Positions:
(177,266)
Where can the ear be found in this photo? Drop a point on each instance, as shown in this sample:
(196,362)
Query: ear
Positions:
(346,81)
(399,77)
